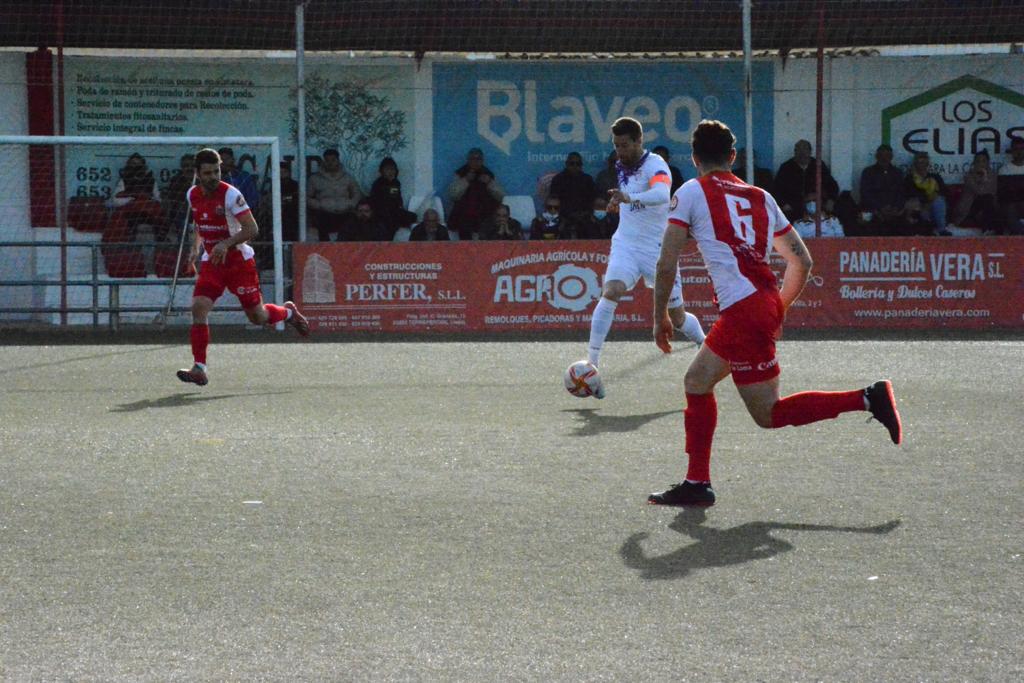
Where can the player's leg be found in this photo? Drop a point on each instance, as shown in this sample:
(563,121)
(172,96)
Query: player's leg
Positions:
(686,323)
(700,419)
(199,336)
(603,316)
(621,275)
(245,284)
(756,374)
(805,407)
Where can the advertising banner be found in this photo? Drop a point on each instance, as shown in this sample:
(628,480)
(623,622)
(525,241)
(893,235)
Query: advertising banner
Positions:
(526,116)
(911,283)
(365,111)
(950,107)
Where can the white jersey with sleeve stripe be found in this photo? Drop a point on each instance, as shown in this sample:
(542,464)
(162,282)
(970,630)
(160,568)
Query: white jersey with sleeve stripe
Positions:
(734,224)
(642,225)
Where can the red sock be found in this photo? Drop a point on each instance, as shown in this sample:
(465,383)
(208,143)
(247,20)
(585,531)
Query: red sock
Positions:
(812,406)
(200,336)
(275,313)
(700,418)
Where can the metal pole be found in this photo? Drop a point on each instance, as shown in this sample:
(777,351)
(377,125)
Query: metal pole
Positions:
(61,203)
(819,117)
(748,92)
(275,192)
(300,108)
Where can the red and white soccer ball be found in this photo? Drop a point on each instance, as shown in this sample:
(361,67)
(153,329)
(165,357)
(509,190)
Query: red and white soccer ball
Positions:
(582,379)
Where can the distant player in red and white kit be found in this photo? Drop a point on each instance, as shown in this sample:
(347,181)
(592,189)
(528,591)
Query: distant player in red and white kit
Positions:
(735,226)
(223,227)
(642,198)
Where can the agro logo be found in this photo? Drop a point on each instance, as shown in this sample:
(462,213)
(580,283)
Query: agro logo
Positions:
(954,121)
(569,288)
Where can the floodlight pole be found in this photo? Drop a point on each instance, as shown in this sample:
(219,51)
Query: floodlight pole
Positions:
(819,118)
(300,110)
(748,94)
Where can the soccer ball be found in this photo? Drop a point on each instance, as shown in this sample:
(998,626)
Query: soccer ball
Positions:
(582,379)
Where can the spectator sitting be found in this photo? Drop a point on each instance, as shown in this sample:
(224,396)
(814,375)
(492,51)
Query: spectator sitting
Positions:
(607,178)
(805,225)
(430,229)
(1010,189)
(501,226)
(173,196)
(366,227)
(232,175)
(549,225)
(882,203)
(600,224)
(677,175)
(796,178)
(575,189)
(762,176)
(136,201)
(978,198)
(332,195)
(386,197)
(926,198)
(475,194)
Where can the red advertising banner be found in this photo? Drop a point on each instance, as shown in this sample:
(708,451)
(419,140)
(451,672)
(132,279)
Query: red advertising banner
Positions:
(959,283)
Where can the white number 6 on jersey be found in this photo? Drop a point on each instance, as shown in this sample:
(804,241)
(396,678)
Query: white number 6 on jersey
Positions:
(741,215)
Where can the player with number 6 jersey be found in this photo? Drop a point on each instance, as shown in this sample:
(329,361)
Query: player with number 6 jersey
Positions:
(736,226)
(223,227)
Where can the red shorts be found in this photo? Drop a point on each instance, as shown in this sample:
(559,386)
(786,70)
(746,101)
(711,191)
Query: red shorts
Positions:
(237,276)
(745,334)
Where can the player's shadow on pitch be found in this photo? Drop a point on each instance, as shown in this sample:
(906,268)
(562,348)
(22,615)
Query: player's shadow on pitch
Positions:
(722,547)
(591,422)
(179,400)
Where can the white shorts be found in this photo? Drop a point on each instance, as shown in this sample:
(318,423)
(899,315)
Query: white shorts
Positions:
(627,265)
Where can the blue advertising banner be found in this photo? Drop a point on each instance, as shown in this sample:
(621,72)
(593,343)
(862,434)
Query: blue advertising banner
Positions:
(527,116)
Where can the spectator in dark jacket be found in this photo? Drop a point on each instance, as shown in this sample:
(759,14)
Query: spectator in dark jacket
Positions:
(501,226)
(430,229)
(796,178)
(574,188)
(882,203)
(386,197)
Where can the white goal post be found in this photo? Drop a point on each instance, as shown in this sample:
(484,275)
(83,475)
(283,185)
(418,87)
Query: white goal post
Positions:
(15,151)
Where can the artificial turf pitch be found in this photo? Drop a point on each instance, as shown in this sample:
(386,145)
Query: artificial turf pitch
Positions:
(446,511)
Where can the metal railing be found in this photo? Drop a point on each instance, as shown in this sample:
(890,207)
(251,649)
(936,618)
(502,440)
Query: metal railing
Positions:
(97,279)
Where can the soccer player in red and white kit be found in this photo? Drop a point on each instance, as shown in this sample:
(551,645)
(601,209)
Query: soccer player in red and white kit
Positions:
(736,225)
(223,227)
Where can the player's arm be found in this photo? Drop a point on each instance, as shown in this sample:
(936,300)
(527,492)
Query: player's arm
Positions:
(659,192)
(247,231)
(798,265)
(668,267)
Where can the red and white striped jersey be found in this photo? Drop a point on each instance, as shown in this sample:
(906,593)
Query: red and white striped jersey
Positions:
(215,217)
(734,224)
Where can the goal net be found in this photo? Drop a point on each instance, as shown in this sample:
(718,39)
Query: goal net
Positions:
(97,230)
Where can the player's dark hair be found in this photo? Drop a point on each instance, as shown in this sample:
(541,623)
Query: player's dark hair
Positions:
(712,142)
(628,126)
(207,156)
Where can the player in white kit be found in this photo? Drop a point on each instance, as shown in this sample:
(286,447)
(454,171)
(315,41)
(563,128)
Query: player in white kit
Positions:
(642,200)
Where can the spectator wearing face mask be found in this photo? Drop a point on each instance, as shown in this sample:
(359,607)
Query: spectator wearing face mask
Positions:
(599,224)
(549,225)
(805,226)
